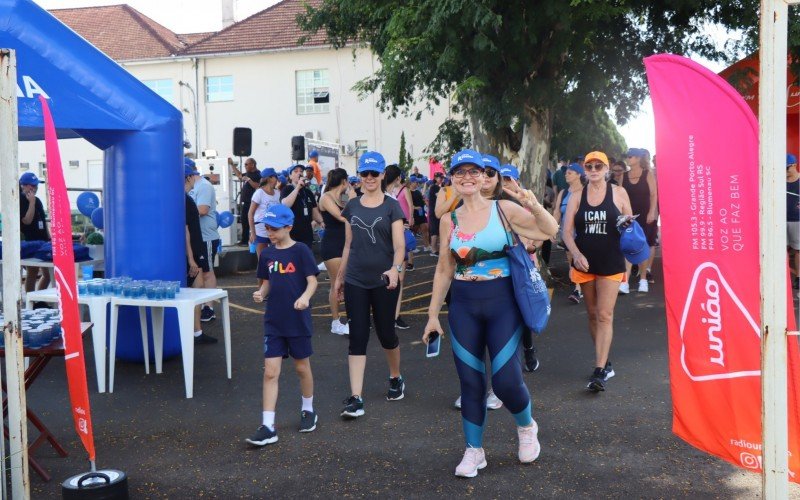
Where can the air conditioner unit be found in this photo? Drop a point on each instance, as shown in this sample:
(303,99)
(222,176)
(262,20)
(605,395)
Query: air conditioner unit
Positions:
(209,153)
(314,134)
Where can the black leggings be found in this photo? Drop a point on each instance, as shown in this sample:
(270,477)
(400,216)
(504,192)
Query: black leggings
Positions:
(382,303)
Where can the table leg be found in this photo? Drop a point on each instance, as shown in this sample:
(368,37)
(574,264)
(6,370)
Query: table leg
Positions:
(145,344)
(112,348)
(158,335)
(226,328)
(97,312)
(186,327)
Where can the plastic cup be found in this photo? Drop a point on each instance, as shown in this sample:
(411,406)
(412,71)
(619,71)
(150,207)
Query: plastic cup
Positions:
(252,247)
(87,271)
(150,291)
(161,292)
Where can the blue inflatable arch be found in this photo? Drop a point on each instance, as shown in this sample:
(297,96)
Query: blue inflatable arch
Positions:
(92,97)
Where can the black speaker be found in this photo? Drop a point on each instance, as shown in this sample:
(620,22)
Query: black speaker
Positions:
(242,141)
(298,147)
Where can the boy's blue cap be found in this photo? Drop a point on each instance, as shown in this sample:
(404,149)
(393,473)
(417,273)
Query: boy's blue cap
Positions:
(790,160)
(313,154)
(28,179)
(371,161)
(282,179)
(509,170)
(188,162)
(491,161)
(189,171)
(268,172)
(576,168)
(278,216)
(466,156)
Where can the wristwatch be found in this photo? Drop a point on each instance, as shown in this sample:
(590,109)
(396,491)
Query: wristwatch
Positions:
(399,268)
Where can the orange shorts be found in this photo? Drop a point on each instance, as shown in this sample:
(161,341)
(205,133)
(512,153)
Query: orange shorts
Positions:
(580,277)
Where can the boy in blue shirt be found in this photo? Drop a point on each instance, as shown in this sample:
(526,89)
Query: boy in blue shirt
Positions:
(290,279)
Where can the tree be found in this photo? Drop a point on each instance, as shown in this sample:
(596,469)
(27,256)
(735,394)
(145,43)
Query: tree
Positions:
(508,63)
(405,162)
(577,131)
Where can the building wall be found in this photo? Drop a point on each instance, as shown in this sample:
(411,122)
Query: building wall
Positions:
(264,91)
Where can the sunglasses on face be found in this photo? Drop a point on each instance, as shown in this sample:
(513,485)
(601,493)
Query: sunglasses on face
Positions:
(593,166)
(369,173)
(490,172)
(473,172)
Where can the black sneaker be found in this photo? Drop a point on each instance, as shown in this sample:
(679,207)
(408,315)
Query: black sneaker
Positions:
(597,382)
(396,388)
(649,277)
(308,421)
(399,323)
(609,370)
(263,436)
(531,362)
(575,296)
(409,267)
(207,314)
(205,339)
(354,407)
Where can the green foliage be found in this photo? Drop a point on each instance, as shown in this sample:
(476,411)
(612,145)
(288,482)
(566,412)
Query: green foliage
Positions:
(94,239)
(453,136)
(405,162)
(577,131)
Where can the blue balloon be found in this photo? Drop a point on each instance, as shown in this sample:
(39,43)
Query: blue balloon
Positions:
(88,202)
(224,219)
(97,217)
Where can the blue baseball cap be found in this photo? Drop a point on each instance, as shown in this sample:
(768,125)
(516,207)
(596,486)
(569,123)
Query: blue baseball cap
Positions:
(464,157)
(575,167)
(491,161)
(509,170)
(371,161)
(268,172)
(282,179)
(188,162)
(352,179)
(278,216)
(189,171)
(293,167)
(633,244)
(790,160)
(638,152)
(28,179)
(313,154)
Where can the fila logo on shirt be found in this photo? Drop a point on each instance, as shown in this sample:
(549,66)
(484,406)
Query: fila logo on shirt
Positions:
(277,267)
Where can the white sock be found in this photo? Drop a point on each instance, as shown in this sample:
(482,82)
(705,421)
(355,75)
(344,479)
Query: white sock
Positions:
(268,419)
(308,403)
(198,333)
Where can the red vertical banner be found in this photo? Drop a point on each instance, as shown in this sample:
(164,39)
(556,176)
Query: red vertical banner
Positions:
(707,143)
(64,264)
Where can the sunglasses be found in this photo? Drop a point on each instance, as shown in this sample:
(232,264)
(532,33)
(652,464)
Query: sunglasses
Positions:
(593,166)
(490,172)
(473,172)
(369,173)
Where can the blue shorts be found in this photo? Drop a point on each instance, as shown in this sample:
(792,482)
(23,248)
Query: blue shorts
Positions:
(283,347)
(261,239)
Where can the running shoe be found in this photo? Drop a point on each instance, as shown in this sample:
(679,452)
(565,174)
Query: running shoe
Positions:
(644,286)
(529,447)
(399,323)
(339,328)
(434,254)
(597,382)
(409,267)
(308,421)
(609,371)
(207,314)
(492,401)
(474,459)
(205,339)
(396,389)
(575,296)
(354,407)
(263,436)
(531,362)
(649,277)
(417,250)
(624,288)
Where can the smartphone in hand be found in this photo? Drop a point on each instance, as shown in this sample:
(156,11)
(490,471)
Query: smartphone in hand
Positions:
(434,345)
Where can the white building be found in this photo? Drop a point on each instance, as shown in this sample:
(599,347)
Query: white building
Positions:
(250,74)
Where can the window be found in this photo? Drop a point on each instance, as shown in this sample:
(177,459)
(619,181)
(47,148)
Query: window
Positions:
(361,147)
(219,88)
(162,88)
(74,164)
(24,166)
(313,91)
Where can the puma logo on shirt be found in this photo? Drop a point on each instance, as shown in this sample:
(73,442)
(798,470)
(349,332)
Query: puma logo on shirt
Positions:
(369,228)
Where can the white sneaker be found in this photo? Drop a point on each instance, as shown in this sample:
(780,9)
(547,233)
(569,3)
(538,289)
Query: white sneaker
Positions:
(457,404)
(339,328)
(492,401)
(474,459)
(624,288)
(529,447)
(644,286)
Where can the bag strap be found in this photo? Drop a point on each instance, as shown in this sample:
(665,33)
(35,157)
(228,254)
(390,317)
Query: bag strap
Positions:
(507,224)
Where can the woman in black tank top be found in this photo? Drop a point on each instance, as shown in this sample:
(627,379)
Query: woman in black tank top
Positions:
(597,259)
(640,184)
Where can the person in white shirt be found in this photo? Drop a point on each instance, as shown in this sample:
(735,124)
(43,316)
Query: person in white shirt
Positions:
(265,196)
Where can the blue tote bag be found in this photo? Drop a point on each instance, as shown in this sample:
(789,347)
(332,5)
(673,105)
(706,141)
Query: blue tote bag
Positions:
(530,290)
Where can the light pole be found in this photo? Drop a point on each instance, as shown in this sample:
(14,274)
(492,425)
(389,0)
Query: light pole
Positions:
(194,114)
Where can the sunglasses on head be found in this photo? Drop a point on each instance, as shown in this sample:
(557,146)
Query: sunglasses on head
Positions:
(593,166)
(490,172)
(369,173)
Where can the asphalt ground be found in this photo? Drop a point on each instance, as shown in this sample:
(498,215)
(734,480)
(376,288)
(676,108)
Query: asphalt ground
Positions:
(616,444)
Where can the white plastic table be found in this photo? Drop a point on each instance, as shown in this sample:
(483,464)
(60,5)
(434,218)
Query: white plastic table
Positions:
(97,315)
(185,302)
